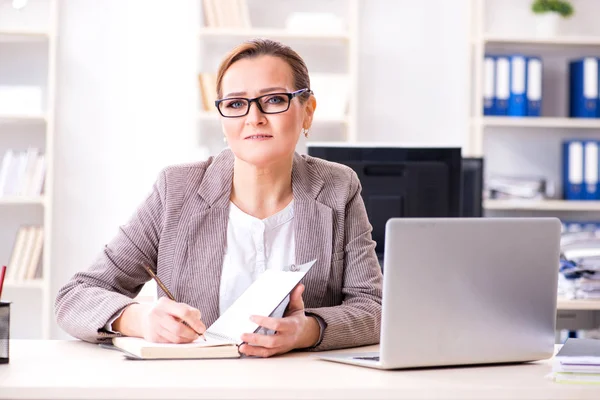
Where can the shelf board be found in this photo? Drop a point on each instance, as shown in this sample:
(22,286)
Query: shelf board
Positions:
(541,122)
(22,118)
(13,200)
(542,205)
(555,41)
(577,304)
(214,117)
(16,35)
(25,284)
(273,33)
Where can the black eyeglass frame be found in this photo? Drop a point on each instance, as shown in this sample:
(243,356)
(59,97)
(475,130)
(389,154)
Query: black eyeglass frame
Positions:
(290,96)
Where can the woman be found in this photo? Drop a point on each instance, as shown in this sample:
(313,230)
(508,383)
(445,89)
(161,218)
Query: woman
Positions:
(208,229)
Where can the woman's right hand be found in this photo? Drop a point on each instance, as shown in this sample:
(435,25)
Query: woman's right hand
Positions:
(161,322)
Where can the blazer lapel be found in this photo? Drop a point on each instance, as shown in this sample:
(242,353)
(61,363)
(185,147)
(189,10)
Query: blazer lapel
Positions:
(313,230)
(208,236)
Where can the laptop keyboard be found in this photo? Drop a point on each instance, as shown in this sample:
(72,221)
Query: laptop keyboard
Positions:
(373,358)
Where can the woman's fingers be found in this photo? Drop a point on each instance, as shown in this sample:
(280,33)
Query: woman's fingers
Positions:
(192,316)
(182,332)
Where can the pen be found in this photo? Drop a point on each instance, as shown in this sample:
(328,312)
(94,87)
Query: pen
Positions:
(2,275)
(164,288)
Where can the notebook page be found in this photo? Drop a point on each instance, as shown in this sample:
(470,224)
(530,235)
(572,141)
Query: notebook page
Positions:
(261,298)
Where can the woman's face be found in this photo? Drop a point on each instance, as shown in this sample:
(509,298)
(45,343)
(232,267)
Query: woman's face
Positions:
(257,138)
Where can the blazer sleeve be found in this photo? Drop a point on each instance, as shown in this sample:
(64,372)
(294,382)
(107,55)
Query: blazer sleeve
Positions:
(357,321)
(91,298)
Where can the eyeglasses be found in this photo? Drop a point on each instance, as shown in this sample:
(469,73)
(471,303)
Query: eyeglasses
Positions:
(272,103)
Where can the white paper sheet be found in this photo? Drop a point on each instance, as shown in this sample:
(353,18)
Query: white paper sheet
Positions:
(261,298)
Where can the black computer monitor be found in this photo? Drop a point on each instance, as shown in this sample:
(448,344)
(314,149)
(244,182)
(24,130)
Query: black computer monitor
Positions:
(403,182)
(472,187)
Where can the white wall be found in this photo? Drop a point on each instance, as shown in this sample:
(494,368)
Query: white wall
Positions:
(413,71)
(126,109)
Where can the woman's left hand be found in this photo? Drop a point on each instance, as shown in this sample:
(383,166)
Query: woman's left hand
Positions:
(294,331)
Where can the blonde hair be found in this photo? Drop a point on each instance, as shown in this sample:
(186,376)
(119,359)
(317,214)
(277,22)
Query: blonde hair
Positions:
(266,47)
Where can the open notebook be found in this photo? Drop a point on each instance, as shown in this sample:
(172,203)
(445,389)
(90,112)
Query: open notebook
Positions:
(223,336)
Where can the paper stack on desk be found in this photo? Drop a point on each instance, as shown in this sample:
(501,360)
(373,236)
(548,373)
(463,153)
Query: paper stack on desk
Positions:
(578,361)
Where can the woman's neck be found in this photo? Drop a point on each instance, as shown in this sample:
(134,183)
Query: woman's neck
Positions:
(261,192)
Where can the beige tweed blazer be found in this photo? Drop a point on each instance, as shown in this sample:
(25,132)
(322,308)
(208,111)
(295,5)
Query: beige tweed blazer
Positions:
(181,231)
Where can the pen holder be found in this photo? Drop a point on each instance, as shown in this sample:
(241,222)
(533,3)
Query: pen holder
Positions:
(4,331)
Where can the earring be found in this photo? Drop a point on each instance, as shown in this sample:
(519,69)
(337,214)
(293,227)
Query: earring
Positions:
(305,132)
(224,139)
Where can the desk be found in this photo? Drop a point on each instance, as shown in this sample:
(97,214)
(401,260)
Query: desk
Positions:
(71,369)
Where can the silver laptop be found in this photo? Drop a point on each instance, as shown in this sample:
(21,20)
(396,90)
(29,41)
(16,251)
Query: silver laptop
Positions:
(463,291)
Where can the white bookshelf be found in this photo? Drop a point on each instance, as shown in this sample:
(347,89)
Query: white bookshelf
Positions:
(334,52)
(8,118)
(540,122)
(281,34)
(6,200)
(566,41)
(28,43)
(530,146)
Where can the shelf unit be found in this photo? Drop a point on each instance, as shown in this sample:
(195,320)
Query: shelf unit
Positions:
(271,33)
(267,21)
(529,145)
(541,122)
(31,31)
(572,41)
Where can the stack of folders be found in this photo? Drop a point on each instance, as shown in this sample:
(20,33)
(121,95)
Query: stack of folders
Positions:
(578,361)
(580,169)
(512,85)
(583,88)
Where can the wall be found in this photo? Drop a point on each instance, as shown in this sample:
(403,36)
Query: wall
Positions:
(413,79)
(126,109)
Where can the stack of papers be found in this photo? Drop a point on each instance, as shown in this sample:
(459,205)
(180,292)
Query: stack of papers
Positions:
(581,263)
(578,361)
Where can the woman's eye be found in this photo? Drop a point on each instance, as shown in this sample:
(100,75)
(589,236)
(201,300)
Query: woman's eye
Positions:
(235,104)
(275,100)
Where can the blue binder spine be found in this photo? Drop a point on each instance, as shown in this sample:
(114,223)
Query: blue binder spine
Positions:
(573,170)
(534,86)
(517,105)
(489,72)
(583,88)
(502,87)
(590,170)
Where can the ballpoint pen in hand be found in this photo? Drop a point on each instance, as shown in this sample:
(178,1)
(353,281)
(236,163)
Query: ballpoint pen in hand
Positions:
(164,288)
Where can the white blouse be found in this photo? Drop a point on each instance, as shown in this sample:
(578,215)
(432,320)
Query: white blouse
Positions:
(253,246)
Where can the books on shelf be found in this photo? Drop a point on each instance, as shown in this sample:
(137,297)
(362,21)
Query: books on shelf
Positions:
(512,85)
(207,83)
(583,88)
(22,174)
(578,361)
(581,169)
(226,14)
(25,260)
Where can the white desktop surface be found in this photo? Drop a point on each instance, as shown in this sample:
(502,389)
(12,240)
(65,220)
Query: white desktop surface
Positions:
(41,369)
